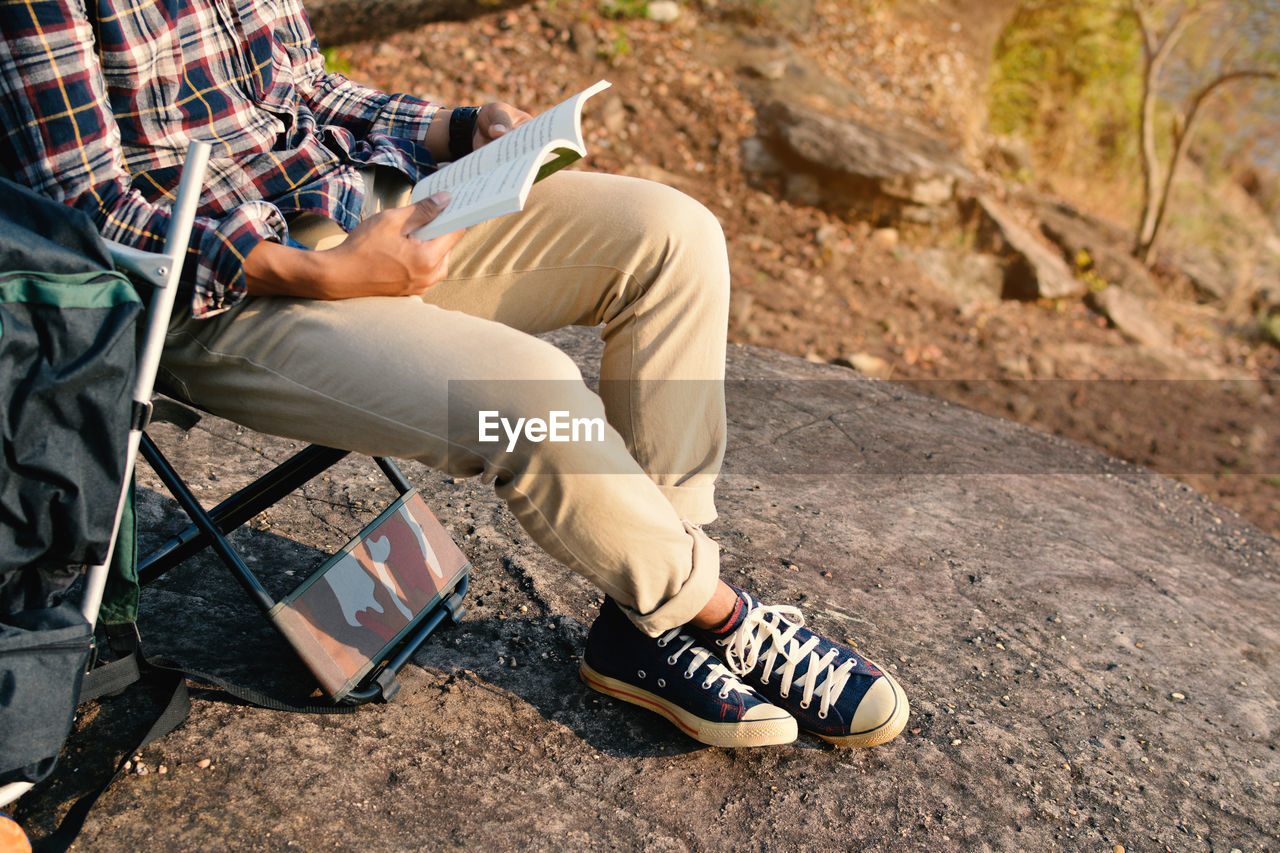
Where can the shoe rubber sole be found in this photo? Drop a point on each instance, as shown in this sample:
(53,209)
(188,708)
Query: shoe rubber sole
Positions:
(774,731)
(883,733)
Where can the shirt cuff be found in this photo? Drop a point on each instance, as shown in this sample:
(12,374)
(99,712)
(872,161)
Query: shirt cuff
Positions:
(220,281)
(406,117)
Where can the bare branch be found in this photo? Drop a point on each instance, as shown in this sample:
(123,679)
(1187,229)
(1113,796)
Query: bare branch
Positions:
(1167,42)
(1230,77)
(1154,218)
(1144,29)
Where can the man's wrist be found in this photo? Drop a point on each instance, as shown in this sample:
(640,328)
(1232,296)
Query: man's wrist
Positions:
(437,136)
(274,269)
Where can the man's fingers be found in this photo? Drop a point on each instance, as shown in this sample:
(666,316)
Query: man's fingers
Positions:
(433,257)
(433,252)
(500,124)
(423,212)
(444,244)
(498,118)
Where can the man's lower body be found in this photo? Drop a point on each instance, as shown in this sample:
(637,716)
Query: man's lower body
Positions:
(410,376)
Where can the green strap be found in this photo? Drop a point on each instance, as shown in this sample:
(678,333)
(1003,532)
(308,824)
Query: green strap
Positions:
(67,290)
(120,598)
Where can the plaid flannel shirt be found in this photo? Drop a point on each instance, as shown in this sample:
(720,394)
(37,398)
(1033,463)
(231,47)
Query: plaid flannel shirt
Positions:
(99,98)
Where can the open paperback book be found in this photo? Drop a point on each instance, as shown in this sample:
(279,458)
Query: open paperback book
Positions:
(495,179)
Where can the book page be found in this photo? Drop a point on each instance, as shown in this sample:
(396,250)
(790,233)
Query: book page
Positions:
(485,195)
(495,179)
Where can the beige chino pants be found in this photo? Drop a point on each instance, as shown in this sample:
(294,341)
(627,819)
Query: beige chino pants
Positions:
(408,376)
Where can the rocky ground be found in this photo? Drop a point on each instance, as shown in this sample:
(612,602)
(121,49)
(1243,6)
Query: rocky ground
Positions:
(1075,684)
(1158,371)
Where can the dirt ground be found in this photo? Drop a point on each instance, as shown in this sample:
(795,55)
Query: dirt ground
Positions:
(814,285)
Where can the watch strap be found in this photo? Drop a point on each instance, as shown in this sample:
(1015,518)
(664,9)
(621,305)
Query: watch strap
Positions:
(462,131)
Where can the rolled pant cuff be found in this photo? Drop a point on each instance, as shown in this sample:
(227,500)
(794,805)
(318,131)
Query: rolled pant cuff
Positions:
(692,597)
(695,503)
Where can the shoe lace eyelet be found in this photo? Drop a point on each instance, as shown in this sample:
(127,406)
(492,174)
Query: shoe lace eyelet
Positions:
(804,704)
(687,674)
(640,672)
(706,685)
(672,660)
(662,644)
(662,682)
(783,694)
(822,715)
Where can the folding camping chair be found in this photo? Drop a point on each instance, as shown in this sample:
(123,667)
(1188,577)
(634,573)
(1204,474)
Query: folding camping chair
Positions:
(393,584)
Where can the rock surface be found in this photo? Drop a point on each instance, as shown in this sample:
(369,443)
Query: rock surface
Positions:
(852,168)
(1091,653)
(1086,242)
(1130,314)
(973,278)
(1035,271)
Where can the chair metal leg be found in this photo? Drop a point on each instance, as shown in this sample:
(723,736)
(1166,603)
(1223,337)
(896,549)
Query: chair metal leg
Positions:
(208,530)
(235,510)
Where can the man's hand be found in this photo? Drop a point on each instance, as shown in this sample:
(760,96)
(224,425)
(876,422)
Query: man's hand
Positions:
(380,257)
(493,120)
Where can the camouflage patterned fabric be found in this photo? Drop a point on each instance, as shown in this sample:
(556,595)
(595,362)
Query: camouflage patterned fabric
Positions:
(343,619)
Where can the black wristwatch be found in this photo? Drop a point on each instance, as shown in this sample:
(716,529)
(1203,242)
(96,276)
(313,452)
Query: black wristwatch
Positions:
(462,131)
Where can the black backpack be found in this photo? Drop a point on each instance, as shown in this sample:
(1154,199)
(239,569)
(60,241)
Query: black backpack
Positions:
(67,365)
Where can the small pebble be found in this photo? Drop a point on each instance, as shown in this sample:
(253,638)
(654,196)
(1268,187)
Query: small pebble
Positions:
(956,742)
(162,770)
(663,11)
(1119,848)
(204,763)
(1177,697)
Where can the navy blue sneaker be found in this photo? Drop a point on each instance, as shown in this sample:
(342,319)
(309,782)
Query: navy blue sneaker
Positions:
(832,691)
(680,680)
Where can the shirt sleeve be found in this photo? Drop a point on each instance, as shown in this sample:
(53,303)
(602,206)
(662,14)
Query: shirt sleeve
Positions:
(337,100)
(60,138)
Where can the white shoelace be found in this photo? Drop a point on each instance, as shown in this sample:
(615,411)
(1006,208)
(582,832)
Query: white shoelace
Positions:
(715,669)
(769,631)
